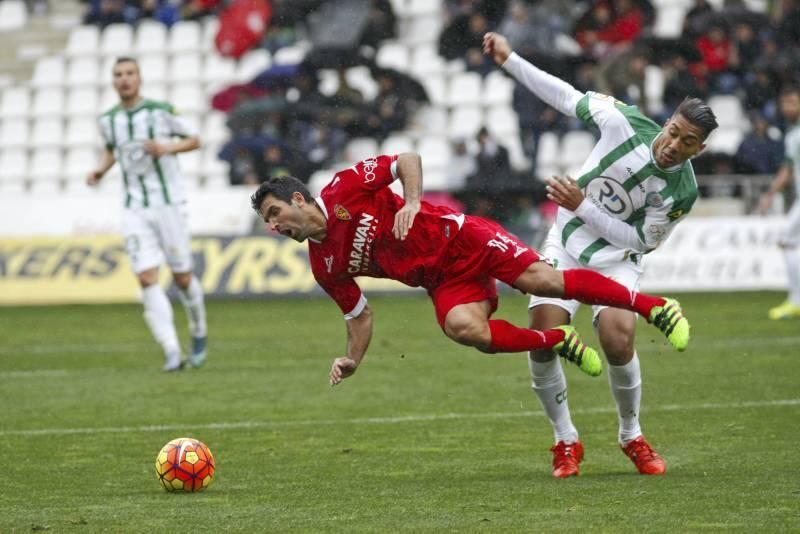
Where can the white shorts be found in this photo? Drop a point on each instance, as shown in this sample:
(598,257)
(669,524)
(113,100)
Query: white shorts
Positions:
(155,234)
(625,273)
(791,232)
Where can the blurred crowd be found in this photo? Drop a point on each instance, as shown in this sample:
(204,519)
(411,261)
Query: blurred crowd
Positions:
(281,122)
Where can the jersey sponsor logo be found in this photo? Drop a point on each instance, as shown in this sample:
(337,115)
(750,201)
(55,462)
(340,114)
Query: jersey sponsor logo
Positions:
(135,159)
(505,243)
(675,214)
(329,263)
(361,251)
(654,199)
(656,232)
(369,166)
(610,196)
(341,213)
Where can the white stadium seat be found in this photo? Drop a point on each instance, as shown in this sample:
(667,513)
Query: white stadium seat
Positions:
(209,32)
(361,79)
(215,130)
(151,37)
(186,68)
(184,36)
(85,71)
(83,41)
(654,88)
(48,101)
(436,88)
(153,68)
(547,151)
(218,70)
(109,99)
(16,102)
(397,144)
(13,163)
(498,89)
(212,165)
(360,148)
(13,15)
(188,98)
(575,148)
(431,120)
(425,59)
(669,20)
(79,162)
(432,8)
(290,55)
(729,112)
(82,132)
(516,154)
(48,132)
(46,164)
(49,72)
(464,89)
(117,40)
(190,163)
(252,64)
(435,151)
(393,55)
(725,140)
(14,133)
(157,91)
(83,101)
(502,120)
(419,30)
(465,122)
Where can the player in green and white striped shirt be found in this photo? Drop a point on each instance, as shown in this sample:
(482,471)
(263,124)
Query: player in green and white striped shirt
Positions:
(140,134)
(790,240)
(635,186)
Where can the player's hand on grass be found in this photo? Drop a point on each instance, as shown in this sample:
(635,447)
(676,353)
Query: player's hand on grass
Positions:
(93,178)
(155,149)
(565,192)
(341,369)
(404,219)
(496,46)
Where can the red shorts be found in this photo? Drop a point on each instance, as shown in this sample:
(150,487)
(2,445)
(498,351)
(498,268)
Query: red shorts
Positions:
(482,252)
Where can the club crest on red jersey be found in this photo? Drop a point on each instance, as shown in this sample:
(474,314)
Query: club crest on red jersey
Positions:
(341,212)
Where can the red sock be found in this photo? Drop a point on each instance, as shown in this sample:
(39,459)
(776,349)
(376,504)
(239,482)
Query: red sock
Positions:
(590,287)
(509,338)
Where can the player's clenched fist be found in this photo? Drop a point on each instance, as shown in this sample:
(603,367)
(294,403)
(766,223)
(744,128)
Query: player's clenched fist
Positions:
(93,178)
(341,369)
(496,46)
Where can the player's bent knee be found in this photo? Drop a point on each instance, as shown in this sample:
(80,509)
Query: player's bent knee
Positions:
(469,333)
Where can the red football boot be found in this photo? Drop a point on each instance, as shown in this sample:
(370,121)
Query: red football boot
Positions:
(647,461)
(566,457)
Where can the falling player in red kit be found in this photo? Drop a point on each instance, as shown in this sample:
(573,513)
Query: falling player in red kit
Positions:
(359,227)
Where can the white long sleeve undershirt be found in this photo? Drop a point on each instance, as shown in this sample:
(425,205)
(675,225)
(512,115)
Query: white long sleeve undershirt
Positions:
(615,231)
(553,91)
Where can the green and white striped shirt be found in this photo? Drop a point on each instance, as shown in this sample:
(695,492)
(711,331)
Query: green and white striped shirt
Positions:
(791,143)
(631,204)
(148,181)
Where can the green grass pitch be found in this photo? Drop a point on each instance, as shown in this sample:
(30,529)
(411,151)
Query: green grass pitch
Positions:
(427,436)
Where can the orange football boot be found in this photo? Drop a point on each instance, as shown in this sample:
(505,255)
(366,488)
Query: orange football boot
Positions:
(566,457)
(647,461)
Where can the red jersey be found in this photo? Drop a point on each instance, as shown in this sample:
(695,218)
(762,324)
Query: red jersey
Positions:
(360,209)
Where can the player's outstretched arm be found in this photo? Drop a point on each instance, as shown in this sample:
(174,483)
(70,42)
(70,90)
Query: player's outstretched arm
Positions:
(409,172)
(359,334)
(554,91)
(157,149)
(107,161)
(778,185)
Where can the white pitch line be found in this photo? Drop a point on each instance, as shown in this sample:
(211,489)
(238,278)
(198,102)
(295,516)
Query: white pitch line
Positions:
(106,348)
(386,420)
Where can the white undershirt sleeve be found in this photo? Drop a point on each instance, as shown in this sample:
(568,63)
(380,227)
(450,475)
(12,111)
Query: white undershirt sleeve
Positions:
(555,92)
(615,231)
(355,312)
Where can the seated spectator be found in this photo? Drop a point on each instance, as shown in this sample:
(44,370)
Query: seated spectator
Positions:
(761,93)
(679,82)
(462,165)
(197,9)
(105,12)
(381,24)
(622,76)
(273,163)
(716,52)
(608,26)
(696,19)
(493,166)
(759,153)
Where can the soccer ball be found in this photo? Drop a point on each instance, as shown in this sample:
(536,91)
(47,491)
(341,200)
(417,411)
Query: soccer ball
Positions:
(185,464)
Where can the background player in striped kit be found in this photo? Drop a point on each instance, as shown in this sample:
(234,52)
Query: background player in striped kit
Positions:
(635,186)
(140,134)
(790,240)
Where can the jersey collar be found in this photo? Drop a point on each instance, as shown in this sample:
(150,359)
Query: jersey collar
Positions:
(324,209)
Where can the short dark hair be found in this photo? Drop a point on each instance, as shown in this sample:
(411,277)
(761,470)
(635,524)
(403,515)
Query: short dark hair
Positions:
(790,88)
(282,188)
(698,113)
(125,59)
